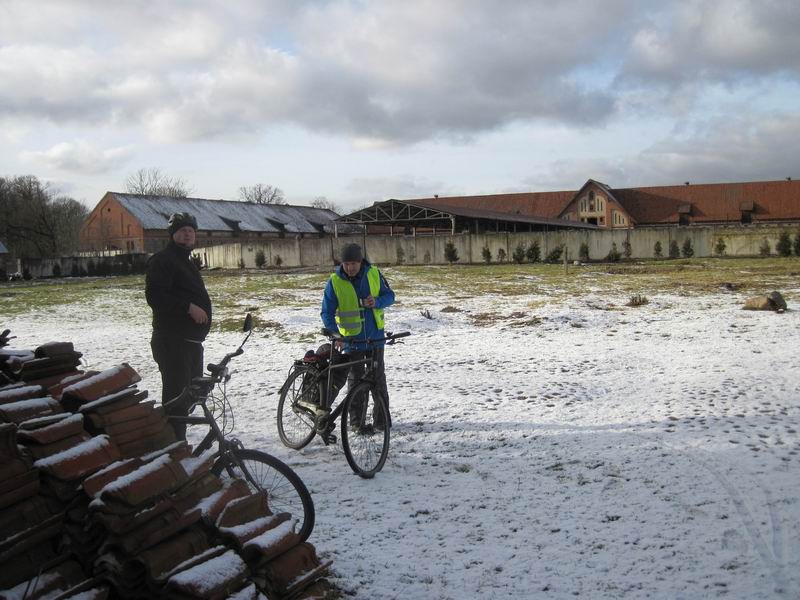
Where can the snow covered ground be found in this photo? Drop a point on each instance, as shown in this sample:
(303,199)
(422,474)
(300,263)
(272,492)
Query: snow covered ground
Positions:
(562,447)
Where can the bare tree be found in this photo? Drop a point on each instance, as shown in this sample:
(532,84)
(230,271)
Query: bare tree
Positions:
(323,202)
(34,222)
(153,182)
(261,193)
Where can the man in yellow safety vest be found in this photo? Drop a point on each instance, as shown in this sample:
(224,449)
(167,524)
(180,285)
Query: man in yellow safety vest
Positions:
(355,296)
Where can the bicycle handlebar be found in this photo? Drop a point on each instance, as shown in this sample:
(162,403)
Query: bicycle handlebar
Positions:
(335,336)
(217,369)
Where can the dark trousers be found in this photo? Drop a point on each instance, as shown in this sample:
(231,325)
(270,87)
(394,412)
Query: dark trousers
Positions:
(357,371)
(178,360)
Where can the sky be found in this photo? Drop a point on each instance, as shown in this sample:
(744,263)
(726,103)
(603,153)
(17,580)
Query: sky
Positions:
(363,101)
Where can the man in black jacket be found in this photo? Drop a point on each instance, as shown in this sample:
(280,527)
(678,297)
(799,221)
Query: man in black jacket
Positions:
(181,310)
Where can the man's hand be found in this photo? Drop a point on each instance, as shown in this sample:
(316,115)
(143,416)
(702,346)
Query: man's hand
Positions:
(197,314)
(339,345)
(368,302)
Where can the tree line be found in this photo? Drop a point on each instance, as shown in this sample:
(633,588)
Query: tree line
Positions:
(154,182)
(37,221)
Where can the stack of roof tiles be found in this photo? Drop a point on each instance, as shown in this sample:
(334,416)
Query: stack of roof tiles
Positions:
(97,497)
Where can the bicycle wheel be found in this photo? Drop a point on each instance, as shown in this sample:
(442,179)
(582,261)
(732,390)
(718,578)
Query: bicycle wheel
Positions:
(365,434)
(295,425)
(286,492)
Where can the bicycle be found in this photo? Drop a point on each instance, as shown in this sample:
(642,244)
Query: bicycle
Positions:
(304,408)
(286,492)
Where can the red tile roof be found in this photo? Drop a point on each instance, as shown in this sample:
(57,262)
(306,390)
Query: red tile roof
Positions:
(547,205)
(710,202)
(713,202)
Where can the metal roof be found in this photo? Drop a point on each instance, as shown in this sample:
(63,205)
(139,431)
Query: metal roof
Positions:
(405,211)
(224,215)
(494,215)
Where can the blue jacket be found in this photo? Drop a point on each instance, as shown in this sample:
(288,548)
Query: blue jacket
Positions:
(361,284)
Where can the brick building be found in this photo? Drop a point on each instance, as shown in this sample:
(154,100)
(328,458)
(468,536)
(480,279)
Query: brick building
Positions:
(138,223)
(595,204)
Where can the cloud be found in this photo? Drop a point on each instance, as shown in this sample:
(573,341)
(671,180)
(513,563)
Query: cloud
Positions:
(366,190)
(724,41)
(387,73)
(380,74)
(727,149)
(79,157)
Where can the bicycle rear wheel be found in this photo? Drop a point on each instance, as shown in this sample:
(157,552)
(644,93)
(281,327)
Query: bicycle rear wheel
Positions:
(365,430)
(295,425)
(286,492)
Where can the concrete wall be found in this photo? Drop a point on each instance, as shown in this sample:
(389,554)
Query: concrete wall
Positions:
(384,249)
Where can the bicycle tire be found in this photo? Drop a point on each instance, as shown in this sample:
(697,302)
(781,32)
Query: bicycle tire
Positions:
(365,445)
(286,492)
(295,427)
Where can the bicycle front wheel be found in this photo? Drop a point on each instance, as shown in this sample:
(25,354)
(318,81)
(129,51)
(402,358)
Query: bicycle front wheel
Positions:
(286,492)
(296,425)
(365,430)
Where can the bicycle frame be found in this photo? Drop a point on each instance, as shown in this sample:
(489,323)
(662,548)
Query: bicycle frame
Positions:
(326,375)
(214,432)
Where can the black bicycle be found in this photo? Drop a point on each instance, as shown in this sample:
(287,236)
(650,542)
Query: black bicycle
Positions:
(286,492)
(304,408)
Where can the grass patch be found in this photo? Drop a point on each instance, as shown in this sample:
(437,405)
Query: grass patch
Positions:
(637,300)
(234,293)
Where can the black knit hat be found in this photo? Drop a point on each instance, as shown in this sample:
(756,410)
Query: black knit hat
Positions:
(352,253)
(182,219)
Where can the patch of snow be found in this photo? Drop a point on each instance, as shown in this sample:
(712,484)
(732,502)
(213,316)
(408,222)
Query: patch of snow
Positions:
(85,448)
(203,578)
(145,470)
(102,376)
(650,452)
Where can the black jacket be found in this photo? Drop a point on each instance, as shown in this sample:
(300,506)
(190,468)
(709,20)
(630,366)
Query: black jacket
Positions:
(172,282)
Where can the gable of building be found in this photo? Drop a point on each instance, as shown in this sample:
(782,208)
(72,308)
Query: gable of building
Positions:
(596,204)
(111,225)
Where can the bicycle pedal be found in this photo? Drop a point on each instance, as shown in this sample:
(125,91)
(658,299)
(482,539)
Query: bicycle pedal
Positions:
(329,439)
(309,406)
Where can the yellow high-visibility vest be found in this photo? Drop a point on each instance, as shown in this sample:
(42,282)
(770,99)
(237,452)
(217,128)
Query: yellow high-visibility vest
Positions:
(349,315)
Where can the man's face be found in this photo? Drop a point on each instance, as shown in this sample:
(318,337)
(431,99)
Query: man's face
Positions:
(185,237)
(351,267)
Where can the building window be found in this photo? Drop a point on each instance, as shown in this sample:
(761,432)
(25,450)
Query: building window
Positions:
(602,221)
(591,195)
